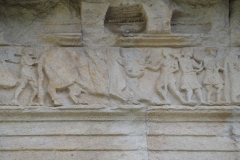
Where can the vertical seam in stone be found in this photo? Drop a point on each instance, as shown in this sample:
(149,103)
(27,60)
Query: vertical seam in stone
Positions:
(81,22)
(146,131)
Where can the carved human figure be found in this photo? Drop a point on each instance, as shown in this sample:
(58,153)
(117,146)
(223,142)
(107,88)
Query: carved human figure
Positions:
(212,79)
(190,81)
(234,72)
(27,76)
(134,65)
(167,80)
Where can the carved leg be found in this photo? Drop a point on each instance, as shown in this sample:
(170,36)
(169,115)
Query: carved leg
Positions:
(41,96)
(173,89)
(219,90)
(74,91)
(22,85)
(163,92)
(40,86)
(209,93)
(199,95)
(34,94)
(189,95)
(53,94)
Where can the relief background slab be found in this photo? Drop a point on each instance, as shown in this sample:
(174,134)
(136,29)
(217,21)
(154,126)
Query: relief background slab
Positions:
(81,79)
(113,75)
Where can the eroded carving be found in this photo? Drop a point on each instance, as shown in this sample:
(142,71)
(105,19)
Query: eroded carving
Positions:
(8,79)
(190,82)
(184,23)
(65,70)
(125,18)
(27,76)
(161,76)
(60,68)
(212,79)
(134,64)
(167,80)
(233,63)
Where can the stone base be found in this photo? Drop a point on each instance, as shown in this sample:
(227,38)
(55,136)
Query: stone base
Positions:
(120,132)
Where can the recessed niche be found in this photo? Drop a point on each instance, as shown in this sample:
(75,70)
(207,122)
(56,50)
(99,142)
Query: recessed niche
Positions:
(184,23)
(125,18)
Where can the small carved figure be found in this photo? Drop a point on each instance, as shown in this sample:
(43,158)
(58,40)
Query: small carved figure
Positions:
(212,77)
(190,81)
(234,74)
(27,76)
(134,66)
(166,80)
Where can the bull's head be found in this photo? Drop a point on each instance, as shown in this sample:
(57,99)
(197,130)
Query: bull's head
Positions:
(133,62)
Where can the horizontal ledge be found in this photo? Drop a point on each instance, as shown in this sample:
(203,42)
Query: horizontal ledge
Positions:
(118,107)
(70,150)
(177,151)
(114,135)
(76,135)
(119,150)
(151,150)
(172,113)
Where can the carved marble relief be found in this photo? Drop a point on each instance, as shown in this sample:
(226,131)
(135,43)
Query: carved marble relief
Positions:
(161,76)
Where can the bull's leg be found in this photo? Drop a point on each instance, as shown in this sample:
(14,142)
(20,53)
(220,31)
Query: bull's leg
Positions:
(22,84)
(74,91)
(53,94)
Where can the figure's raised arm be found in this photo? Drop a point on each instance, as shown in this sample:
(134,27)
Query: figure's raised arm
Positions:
(154,67)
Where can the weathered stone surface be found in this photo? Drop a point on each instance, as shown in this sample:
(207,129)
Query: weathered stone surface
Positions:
(53,22)
(115,133)
(119,79)
(73,143)
(75,155)
(160,76)
(168,143)
(174,155)
(235,22)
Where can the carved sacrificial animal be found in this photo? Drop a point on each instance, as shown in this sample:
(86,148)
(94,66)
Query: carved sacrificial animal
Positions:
(134,64)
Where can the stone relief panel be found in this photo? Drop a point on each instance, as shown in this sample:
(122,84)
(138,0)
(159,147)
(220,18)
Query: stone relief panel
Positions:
(154,76)
(54,23)
(232,63)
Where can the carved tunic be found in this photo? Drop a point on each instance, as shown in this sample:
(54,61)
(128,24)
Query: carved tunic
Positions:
(212,76)
(169,66)
(189,78)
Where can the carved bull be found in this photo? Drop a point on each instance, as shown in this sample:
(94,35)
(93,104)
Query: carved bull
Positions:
(61,69)
(134,64)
